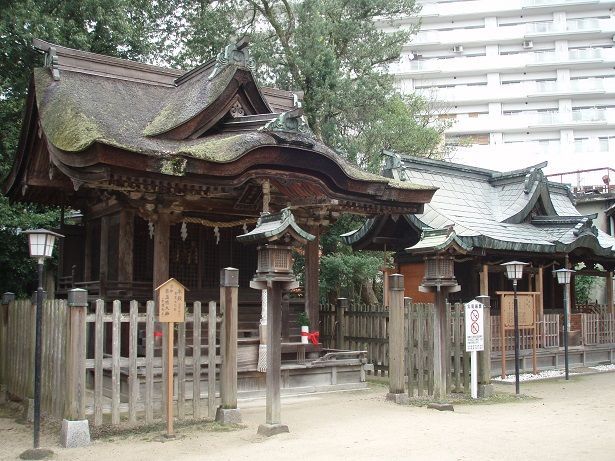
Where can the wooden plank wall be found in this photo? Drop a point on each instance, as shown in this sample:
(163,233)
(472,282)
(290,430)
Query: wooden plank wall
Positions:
(19,354)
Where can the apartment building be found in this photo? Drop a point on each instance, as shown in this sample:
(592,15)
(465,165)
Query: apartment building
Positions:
(523,81)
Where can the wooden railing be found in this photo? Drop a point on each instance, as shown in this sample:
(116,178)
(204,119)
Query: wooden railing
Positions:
(547,334)
(598,329)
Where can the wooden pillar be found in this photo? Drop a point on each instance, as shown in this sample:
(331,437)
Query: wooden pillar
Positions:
(273,415)
(540,288)
(340,314)
(161,249)
(609,292)
(311,278)
(229,286)
(104,255)
(396,338)
(125,247)
(87,253)
(570,289)
(440,352)
(484,357)
(75,370)
(285,316)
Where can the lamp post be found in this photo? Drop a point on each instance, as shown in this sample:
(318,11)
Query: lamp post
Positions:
(41,242)
(563,278)
(514,272)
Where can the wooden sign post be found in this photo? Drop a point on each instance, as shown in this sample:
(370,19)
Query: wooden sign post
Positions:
(171,309)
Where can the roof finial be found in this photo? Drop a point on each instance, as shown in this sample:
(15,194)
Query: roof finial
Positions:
(51,61)
(236,54)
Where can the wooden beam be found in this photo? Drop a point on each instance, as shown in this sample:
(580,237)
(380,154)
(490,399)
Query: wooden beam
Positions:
(311,278)
(161,249)
(87,253)
(540,289)
(484,280)
(609,292)
(104,255)
(125,247)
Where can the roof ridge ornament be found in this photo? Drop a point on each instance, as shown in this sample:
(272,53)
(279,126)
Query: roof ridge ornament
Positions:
(290,121)
(52,62)
(535,175)
(585,227)
(236,54)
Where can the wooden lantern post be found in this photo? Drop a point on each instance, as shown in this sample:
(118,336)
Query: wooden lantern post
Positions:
(171,309)
(274,273)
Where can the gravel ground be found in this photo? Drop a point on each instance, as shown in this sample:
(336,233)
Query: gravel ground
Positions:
(558,421)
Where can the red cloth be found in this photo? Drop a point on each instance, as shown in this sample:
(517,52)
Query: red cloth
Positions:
(313,337)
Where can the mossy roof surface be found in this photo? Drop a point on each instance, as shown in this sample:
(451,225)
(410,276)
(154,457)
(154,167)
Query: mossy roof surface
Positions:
(81,109)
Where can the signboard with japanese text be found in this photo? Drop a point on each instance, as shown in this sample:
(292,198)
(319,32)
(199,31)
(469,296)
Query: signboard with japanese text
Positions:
(526,305)
(170,301)
(475,333)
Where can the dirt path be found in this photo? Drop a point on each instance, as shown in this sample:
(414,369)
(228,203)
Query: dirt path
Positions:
(567,420)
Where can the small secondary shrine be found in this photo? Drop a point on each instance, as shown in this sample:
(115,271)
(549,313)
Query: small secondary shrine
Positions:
(495,218)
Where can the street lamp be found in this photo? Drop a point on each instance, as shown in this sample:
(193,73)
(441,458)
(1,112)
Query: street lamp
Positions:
(563,278)
(41,242)
(514,272)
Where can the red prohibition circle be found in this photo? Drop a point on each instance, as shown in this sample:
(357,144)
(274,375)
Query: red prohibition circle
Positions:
(474,315)
(474,328)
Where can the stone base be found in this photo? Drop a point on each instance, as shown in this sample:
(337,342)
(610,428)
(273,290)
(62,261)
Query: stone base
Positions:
(228,415)
(37,453)
(440,406)
(268,430)
(485,390)
(28,410)
(400,399)
(75,434)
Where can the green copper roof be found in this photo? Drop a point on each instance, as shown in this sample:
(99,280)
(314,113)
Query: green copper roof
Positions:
(272,227)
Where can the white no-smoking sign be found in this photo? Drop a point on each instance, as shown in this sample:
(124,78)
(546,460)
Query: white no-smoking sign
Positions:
(475,337)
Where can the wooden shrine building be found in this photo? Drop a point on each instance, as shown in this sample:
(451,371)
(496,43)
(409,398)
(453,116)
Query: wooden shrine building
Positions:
(167,167)
(496,217)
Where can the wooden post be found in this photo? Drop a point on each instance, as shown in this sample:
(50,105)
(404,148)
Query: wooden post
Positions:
(87,253)
(285,316)
(104,255)
(312,249)
(273,412)
(7,298)
(396,339)
(125,248)
(77,303)
(169,380)
(484,356)
(609,292)
(340,313)
(229,285)
(540,290)
(161,275)
(440,352)
(161,249)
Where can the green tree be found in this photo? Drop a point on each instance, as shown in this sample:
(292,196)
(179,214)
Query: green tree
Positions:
(336,55)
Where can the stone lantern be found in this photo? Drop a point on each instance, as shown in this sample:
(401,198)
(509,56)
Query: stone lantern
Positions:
(275,233)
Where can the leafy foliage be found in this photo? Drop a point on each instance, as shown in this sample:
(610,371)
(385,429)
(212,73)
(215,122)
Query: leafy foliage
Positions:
(582,288)
(21,277)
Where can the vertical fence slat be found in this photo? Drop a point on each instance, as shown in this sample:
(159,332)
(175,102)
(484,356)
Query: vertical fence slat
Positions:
(98,362)
(181,370)
(196,361)
(211,359)
(115,363)
(133,383)
(149,363)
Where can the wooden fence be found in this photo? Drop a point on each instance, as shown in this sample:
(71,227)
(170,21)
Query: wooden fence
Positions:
(365,327)
(87,371)
(18,353)
(547,334)
(598,329)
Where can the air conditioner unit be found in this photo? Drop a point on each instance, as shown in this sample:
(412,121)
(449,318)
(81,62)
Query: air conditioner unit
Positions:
(528,44)
(458,48)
